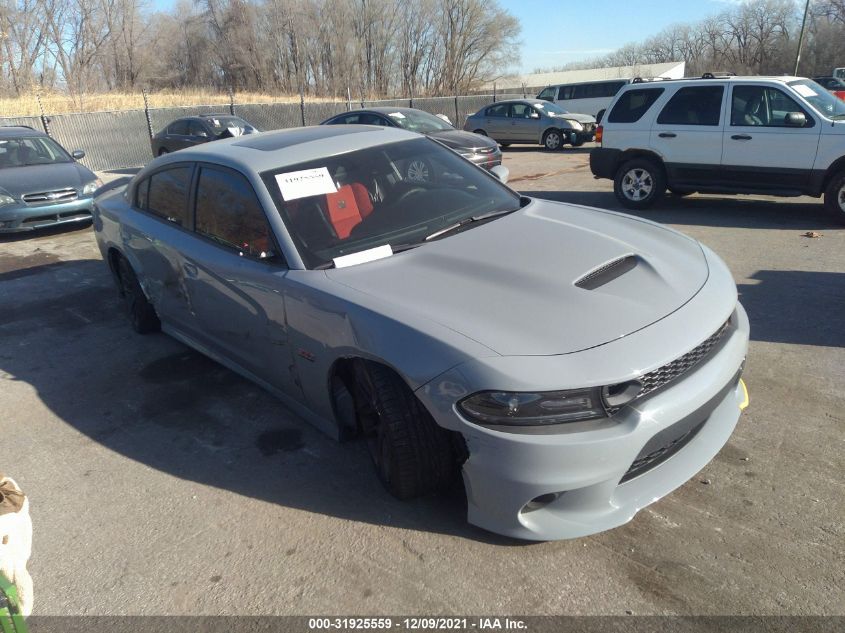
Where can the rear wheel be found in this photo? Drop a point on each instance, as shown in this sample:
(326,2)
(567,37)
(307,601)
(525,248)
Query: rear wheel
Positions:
(481,132)
(552,140)
(834,196)
(163,151)
(639,183)
(412,454)
(142,314)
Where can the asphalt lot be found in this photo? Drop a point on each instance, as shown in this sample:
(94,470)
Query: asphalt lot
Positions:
(161,483)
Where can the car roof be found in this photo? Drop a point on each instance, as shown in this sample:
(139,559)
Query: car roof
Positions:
(784,79)
(269,150)
(530,100)
(16,131)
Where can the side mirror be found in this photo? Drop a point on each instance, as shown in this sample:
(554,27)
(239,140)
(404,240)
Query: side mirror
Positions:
(502,173)
(796,119)
(534,115)
(78,154)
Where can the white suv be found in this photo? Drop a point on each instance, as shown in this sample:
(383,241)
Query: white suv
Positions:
(782,136)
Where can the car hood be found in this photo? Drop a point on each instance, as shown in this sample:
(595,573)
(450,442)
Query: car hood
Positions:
(464,140)
(18,181)
(510,284)
(581,118)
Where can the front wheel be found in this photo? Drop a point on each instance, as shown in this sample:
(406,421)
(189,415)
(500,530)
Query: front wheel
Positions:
(142,314)
(412,454)
(834,197)
(480,132)
(552,140)
(163,151)
(639,183)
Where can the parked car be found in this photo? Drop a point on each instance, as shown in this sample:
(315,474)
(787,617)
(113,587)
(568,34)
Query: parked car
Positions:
(782,136)
(585,96)
(475,148)
(41,184)
(532,121)
(193,130)
(574,364)
(834,84)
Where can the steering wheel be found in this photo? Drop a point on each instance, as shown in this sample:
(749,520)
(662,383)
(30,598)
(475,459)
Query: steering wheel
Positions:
(407,194)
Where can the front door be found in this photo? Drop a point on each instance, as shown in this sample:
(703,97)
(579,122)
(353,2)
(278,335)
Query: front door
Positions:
(759,148)
(525,123)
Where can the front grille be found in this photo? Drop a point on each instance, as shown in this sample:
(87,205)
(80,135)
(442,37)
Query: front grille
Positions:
(50,197)
(670,371)
(652,456)
(486,150)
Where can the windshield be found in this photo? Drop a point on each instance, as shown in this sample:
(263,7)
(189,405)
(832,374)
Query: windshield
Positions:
(220,123)
(396,194)
(824,102)
(32,150)
(551,107)
(418,121)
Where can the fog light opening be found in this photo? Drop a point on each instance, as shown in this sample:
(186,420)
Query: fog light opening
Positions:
(541,502)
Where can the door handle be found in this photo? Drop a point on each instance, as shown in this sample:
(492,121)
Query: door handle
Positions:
(667,135)
(741,137)
(190,269)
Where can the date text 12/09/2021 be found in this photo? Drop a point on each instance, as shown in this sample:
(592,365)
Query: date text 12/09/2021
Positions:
(418,624)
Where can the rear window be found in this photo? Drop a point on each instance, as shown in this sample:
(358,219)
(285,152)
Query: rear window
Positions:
(633,104)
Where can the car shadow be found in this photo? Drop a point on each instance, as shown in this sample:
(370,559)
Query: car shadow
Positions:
(730,212)
(157,402)
(567,149)
(796,307)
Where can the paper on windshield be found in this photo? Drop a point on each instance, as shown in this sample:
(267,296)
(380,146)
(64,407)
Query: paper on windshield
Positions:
(539,105)
(805,91)
(362,257)
(397,115)
(307,182)
(235,131)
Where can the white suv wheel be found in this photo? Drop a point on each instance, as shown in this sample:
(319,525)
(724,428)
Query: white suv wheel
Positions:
(834,196)
(637,184)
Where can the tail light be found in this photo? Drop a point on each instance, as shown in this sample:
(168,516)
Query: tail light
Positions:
(599,131)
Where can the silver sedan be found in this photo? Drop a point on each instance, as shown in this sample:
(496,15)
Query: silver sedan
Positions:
(573,365)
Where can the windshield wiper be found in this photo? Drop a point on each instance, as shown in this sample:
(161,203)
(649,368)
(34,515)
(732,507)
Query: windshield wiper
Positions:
(465,221)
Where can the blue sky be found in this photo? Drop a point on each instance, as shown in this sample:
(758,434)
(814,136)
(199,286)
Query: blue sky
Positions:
(555,32)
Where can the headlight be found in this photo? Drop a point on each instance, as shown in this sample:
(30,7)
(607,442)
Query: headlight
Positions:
(6,199)
(531,409)
(575,125)
(92,186)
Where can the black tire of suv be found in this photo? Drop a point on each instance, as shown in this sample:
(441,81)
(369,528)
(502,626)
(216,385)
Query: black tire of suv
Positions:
(142,314)
(412,454)
(652,175)
(834,196)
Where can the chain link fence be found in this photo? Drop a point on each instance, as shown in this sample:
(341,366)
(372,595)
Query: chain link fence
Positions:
(121,139)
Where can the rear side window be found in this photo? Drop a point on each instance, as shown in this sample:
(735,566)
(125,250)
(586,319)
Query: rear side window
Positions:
(228,212)
(633,104)
(693,105)
(168,194)
(178,127)
(497,110)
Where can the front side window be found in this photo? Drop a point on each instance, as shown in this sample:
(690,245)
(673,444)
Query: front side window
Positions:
(228,212)
(824,102)
(352,202)
(763,106)
(167,195)
(31,150)
(234,126)
(521,111)
(179,128)
(693,105)
(632,105)
(548,93)
(195,128)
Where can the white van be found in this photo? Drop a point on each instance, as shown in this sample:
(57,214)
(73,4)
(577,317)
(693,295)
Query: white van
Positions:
(585,97)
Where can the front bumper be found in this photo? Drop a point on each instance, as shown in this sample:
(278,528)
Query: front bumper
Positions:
(485,160)
(16,219)
(596,476)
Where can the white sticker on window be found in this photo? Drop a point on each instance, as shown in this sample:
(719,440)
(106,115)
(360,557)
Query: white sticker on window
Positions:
(539,105)
(805,91)
(235,131)
(396,115)
(216,122)
(308,182)
(362,257)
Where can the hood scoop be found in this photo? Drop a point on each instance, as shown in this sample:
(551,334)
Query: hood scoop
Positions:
(607,272)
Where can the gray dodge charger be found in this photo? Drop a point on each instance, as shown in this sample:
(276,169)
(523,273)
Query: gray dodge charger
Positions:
(573,365)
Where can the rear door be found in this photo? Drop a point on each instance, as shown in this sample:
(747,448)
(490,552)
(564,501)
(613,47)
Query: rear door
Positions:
(497,123)
(687,133)
(235,277)
(759,148)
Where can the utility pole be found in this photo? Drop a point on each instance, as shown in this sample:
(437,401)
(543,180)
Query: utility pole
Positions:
(801,37)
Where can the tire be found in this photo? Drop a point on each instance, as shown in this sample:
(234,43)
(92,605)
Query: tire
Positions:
(163,151)
(412,454)
(504,145)
(578,142)
(552,140)
(834,197)
(419,170)
(639,183)
(142,314)
(480,132)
